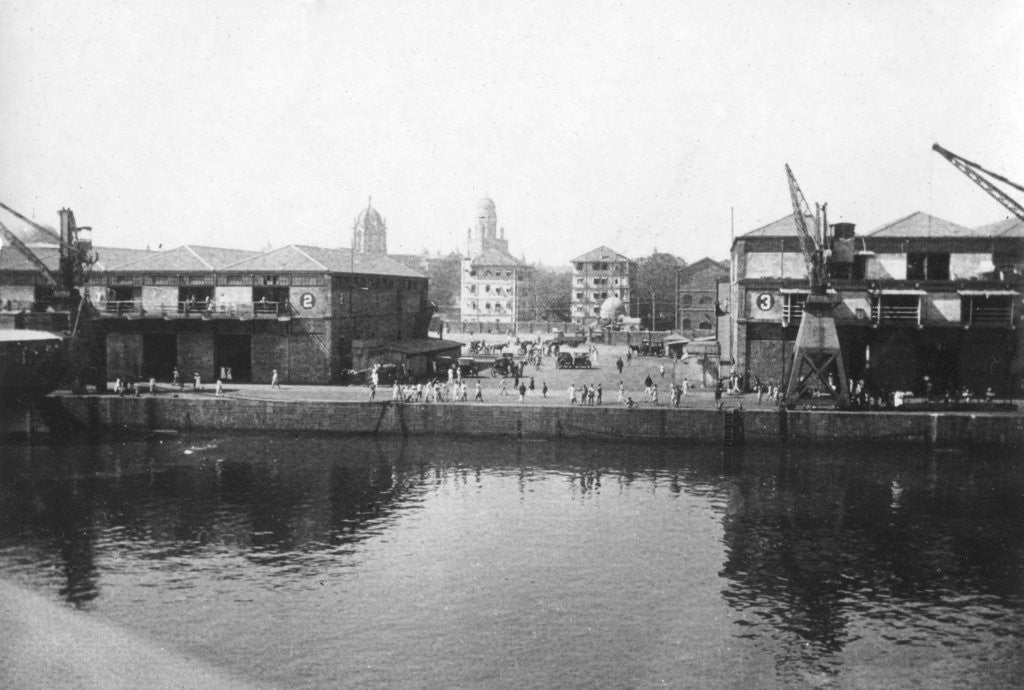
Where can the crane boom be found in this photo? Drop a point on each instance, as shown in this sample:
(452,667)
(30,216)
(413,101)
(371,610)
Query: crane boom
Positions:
(809,244)
(972,171)
(11,238)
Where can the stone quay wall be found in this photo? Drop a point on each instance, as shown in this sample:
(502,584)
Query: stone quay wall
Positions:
(147,414)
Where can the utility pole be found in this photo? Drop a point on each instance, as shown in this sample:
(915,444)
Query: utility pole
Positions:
(654,314)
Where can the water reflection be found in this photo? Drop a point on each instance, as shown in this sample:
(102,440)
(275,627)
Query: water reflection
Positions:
(817,553)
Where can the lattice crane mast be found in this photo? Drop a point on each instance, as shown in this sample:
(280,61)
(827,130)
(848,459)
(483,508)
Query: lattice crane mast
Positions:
(817,368)
(975,172)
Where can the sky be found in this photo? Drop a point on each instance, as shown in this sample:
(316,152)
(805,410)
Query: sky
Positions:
(639,125)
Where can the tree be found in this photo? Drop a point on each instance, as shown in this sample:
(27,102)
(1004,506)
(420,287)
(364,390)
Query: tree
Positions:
(550,293)
(656,289)
(445,281)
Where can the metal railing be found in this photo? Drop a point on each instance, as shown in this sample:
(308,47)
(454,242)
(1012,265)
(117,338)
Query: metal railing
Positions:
(991,316)
(896,314)
(219,310)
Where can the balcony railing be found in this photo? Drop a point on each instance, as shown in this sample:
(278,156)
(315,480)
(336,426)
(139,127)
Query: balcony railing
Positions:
(896,314)
(200,310)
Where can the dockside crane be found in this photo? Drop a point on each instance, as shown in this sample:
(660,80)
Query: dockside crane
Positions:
(976,173)
(75,264)
(817,356)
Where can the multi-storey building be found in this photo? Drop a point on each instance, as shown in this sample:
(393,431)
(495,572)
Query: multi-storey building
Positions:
(311,313)
(919,297)
(495,285)
(598,275)
(698,297)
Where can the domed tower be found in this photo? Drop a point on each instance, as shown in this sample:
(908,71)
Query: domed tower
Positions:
(485,235)
(486,219)
(370,232)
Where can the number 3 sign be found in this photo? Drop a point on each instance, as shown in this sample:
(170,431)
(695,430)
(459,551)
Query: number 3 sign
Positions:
(765,301)
(307,300)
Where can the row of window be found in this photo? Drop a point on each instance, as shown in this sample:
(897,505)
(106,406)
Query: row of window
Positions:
(488,273)
(597,282)
(975,310)
(244,280)
(498,290)
(497,306)
(599,266)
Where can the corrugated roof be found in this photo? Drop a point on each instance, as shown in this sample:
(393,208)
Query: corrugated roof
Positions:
(602,253)
(919,224)
(419,346)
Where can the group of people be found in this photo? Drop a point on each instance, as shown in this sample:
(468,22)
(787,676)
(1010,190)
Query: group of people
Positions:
(588,394)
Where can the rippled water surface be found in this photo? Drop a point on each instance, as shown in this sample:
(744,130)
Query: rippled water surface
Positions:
(332,562)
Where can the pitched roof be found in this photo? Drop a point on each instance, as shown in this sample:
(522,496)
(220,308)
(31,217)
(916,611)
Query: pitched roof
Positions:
(11,259)
(186,258)
(702,264)
(303,258)
(496,257)
(920,224)
(112,257)
(1008,227)
(783,227)
(342,261)
(602,253)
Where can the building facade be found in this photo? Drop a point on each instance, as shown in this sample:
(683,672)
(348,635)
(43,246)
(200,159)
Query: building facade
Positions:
(920,303)
(311,313)
(698,303)
(494,284)
(598,275)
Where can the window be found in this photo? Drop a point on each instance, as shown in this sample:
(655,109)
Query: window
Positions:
(927,266)
(705,326)
(687,301)
(579,266)
(579,295)
(687,324)
(705,299)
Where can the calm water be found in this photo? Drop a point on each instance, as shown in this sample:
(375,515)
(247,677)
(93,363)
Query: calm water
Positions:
(336,562)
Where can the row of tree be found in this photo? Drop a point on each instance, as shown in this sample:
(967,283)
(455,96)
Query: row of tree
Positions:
(653,295)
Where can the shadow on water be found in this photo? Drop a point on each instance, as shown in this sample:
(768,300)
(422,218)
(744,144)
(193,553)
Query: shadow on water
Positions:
(813,538)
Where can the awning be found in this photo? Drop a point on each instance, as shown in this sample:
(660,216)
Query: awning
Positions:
(795,291)
(888,291)
(987,293)
(675,340)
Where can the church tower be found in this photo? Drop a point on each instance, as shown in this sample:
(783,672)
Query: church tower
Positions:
(485,235)
(370,232)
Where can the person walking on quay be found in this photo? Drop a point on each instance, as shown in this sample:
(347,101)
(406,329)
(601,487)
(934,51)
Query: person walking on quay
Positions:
(629,357)
(622,394)
(152,385)
(479,392)
(718,392)
(661,370)
(599,392)
(686,386)
(544,389)
(197,381)
(618,365)
(531,387)
(572,393)
(176,378)
(654,394)
(396,394)
(648,382)
(504,388)
(220,388)
(522,392)
(275,381)
(373,391)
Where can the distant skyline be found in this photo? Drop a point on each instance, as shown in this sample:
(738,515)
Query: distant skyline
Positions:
(635,125)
